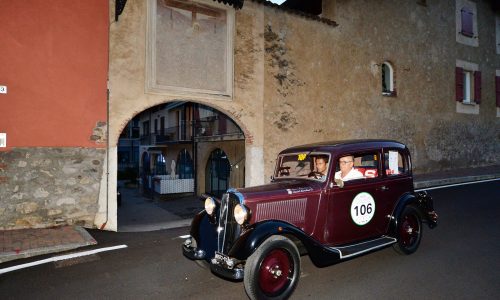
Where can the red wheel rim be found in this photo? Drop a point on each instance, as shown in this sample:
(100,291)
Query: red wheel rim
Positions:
(409,230)
(275,271)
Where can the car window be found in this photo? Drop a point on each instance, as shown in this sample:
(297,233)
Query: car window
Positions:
(357,166)
(394,163)
(303,165)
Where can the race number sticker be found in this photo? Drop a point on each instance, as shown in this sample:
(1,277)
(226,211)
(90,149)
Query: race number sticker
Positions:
(362,208)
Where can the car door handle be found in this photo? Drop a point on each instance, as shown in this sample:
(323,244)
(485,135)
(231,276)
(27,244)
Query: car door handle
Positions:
(384,188)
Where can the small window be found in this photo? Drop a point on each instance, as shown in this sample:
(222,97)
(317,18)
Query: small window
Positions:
(468,86)
(388,80)
(467,21)
(394,163)
(497,89)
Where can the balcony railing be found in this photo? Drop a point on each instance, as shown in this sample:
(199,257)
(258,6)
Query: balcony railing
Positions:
(206,128)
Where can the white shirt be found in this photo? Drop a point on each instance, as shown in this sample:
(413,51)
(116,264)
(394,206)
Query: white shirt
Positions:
(353,174)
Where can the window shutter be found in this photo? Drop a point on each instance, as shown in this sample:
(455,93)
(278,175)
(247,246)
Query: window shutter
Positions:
(459,84)
(497,88)
(467,21)
(477,87)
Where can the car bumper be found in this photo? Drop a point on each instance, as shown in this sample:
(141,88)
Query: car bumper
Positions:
(219,267)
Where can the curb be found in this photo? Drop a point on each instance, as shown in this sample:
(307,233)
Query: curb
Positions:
(88,240)
(438,182)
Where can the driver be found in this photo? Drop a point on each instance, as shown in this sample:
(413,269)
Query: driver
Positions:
(347,172)
(320,167)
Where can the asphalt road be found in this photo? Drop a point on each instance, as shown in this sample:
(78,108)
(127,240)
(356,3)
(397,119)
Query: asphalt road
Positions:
(457,260)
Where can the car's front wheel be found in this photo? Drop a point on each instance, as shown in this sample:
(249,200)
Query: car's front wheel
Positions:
(273,270)
(409,231)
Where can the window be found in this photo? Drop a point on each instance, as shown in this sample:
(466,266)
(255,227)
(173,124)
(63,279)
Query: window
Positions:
(394,163)
(467,83)
(466,23)
(466,20)
(357,166)
(145,128)
(497,91)
(388,80)
(497,32)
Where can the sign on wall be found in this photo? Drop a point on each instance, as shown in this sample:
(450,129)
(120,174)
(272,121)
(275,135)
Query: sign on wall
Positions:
(3,140)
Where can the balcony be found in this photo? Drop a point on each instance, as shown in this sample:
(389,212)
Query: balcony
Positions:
(204,130)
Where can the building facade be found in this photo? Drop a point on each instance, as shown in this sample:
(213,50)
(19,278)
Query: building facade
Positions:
(425,73)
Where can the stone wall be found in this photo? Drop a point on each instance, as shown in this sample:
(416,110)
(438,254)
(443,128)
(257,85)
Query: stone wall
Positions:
(44,187)
(324,83)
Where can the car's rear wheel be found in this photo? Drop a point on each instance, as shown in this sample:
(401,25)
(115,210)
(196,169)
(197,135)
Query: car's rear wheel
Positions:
(272,271)
(409,231)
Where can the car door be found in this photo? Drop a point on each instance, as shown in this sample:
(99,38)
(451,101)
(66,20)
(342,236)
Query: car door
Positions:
(396,179)
(357,210)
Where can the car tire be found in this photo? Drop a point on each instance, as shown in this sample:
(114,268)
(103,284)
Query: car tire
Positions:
(408,231)
(273,270)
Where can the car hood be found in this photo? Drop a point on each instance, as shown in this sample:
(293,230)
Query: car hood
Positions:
(277,189)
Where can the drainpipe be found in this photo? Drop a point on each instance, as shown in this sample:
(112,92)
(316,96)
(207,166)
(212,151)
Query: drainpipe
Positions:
(107,132)
(195,160)
(107,157)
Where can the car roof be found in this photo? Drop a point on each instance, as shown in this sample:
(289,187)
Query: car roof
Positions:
(346,146)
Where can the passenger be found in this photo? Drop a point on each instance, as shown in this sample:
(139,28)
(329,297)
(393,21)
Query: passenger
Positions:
(347,172)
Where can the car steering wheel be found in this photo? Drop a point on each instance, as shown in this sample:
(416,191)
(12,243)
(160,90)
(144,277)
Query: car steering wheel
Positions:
(315,174)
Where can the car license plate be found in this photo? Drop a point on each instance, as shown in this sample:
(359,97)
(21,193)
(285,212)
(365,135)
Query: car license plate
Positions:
(222,257)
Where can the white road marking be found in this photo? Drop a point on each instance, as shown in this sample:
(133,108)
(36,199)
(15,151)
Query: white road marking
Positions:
(456,184)
(184,236)
(59,258)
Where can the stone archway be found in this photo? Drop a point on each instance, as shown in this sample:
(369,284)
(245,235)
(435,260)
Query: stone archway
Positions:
(107,215)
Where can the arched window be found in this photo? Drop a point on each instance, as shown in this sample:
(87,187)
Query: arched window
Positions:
(388,88)
(218,171)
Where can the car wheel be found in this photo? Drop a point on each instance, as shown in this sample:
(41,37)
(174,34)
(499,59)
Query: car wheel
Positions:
(409,231)
(272,271)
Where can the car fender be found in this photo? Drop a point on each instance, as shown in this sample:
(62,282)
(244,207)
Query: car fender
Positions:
(424,204)
(257,233)
(204,231)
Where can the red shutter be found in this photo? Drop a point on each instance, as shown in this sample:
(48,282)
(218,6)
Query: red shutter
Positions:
(497,88)
(459,84)
(467,22)
(477,87)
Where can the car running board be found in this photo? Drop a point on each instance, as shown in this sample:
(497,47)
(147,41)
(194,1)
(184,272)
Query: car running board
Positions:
(360,248)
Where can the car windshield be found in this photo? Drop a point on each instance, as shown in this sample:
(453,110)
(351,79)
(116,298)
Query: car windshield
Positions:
(313,166)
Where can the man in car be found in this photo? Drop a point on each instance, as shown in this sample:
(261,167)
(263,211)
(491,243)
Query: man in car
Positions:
(347,172)
(320,167)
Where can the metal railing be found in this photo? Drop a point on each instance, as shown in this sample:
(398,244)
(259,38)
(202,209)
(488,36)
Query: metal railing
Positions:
(184,133)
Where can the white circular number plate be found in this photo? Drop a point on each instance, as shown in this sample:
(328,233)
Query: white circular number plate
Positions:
(362,208)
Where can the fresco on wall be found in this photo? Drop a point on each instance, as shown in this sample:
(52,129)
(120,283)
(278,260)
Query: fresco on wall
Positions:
(190,47)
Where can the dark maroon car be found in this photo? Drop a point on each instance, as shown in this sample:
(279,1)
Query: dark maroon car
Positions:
(331,201)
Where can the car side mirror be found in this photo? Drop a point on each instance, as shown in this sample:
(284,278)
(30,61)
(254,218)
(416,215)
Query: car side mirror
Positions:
(339,182)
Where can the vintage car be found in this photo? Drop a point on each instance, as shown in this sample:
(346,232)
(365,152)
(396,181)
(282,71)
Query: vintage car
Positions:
(332,201)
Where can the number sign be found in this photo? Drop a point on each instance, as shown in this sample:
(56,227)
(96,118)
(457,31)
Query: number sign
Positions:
(362,208)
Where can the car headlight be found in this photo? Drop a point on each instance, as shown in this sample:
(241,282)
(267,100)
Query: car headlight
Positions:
(209,205)
(240,214)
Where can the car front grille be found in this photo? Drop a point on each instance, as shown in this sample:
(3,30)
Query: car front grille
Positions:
(228,230)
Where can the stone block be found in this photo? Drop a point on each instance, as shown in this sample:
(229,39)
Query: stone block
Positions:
(66,201)
(27,207)
(53,212)
(40,193)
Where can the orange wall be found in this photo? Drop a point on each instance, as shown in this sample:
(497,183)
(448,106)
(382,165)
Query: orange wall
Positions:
(54,61)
